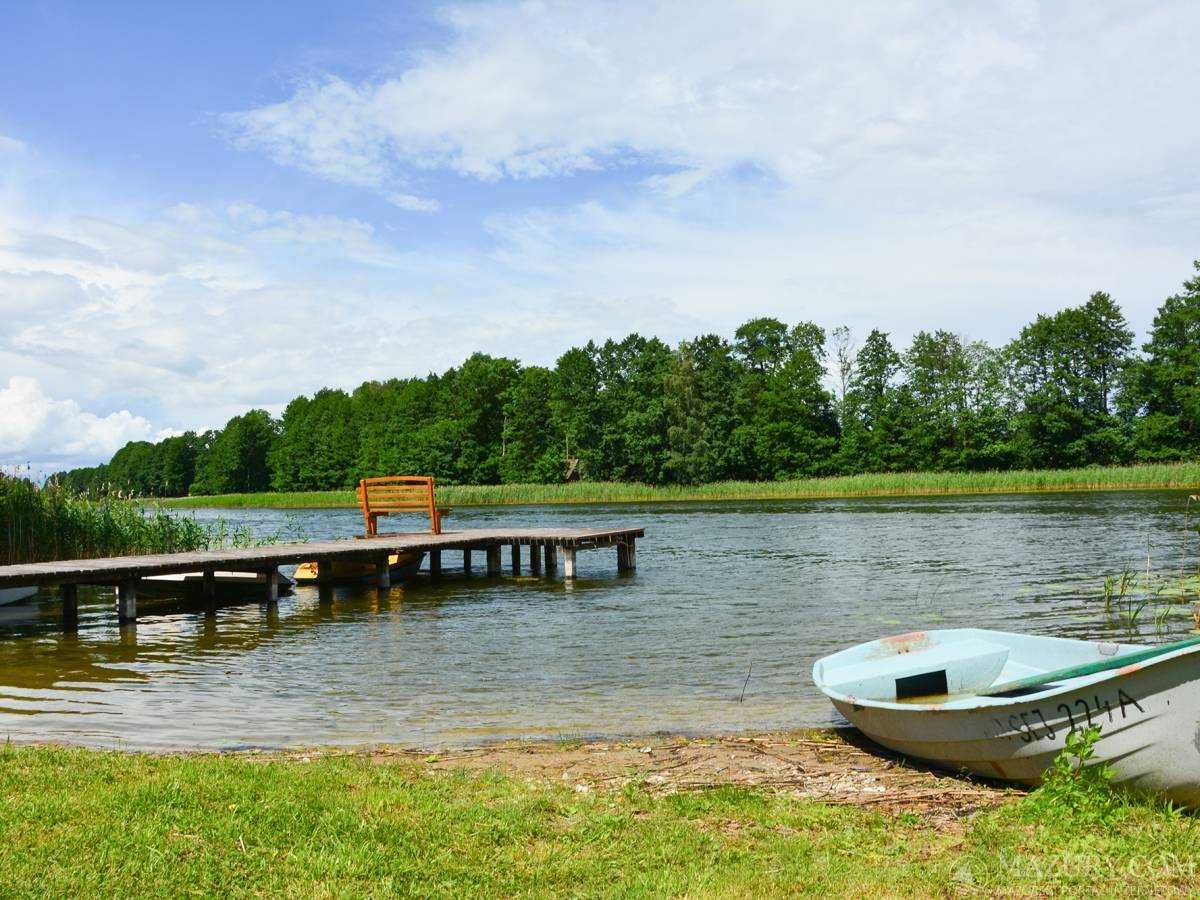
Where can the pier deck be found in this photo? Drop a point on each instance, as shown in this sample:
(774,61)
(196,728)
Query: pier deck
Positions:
(124,571)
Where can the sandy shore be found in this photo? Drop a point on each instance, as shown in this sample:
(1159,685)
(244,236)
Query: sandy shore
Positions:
(828,766)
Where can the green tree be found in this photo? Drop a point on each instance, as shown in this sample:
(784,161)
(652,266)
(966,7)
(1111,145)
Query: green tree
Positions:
(177,464)
(576,410)
(531,449)
(235,459)
(700,394)
(957,416)
(471,410)
(1064,372)
(788,427)
(633,416)
(318,444)
(874,429)
(1164,388)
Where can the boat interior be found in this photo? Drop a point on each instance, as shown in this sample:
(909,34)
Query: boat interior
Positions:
(951,666)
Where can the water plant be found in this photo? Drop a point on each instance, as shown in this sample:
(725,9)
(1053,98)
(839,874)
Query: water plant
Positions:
(1127,596)
(46,522)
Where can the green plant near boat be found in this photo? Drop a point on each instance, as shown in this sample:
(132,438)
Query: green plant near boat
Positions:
(1077,787)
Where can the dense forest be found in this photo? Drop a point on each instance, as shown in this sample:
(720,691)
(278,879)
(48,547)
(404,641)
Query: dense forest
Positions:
(777,401)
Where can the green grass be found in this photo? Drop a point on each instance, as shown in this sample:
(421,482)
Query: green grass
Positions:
(1142,477)
(84,823)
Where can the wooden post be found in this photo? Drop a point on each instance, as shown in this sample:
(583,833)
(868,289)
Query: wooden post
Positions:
(324,580)
(493,561)
(271,594)
(551,559)
(435,563)
(568,562)
(631,556)
(70,604)
(127,601)
(622,558)
(208,587)
(467,561)
(383,572)
(516,559)
(535,559)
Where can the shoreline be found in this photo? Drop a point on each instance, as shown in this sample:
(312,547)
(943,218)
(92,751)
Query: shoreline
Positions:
(1166,476)
(835,766)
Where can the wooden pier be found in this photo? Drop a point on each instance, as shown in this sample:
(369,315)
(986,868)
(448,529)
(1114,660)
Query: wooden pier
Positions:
(545,545)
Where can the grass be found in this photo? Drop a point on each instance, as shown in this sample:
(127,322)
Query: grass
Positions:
(1142,477)
(88,823)
(38,524)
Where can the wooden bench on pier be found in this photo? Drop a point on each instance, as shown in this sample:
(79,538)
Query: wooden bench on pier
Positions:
(390,494)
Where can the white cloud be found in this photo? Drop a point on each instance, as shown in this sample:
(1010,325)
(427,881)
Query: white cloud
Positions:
(898,98)
(11,145)
(413,203)
(35,427)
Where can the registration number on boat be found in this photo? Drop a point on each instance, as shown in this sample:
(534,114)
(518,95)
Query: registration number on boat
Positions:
(1032,724)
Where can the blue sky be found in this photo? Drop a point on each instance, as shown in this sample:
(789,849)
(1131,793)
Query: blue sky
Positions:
(202,204)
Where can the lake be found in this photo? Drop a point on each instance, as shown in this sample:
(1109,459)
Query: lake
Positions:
(716,631)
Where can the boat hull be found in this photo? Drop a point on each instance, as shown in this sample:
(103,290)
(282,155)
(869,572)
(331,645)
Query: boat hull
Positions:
(1149,721)
(16,595)
(400,567)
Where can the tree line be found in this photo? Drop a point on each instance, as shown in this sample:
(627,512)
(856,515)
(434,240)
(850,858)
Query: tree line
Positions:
(776,401)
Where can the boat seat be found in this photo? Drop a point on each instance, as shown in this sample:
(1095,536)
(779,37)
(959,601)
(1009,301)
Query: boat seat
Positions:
(962,667)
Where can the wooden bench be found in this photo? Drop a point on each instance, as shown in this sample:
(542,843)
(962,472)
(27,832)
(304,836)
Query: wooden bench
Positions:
(398,493)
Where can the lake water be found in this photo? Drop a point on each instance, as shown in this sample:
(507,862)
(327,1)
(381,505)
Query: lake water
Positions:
(722,592)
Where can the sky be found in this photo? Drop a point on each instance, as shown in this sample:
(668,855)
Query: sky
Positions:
(206,208)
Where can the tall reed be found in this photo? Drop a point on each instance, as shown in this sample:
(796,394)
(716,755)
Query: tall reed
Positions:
(41,523)
(892,484)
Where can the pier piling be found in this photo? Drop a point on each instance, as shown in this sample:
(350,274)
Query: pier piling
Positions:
(70,604)
(271,592)
(208,587)
(127,601)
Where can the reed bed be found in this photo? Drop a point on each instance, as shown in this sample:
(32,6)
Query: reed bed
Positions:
(1182,476)
(38,524)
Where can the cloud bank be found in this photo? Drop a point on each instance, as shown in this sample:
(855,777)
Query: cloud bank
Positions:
(49,432)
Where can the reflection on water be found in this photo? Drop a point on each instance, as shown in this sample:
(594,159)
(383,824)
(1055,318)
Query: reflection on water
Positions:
(721,588)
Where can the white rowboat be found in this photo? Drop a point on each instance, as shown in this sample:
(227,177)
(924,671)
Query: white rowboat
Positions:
(923,695)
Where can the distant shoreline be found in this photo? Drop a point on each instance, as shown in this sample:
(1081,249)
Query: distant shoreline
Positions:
(1154,476)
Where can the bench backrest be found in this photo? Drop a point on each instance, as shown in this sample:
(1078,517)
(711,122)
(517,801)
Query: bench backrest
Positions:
(397,493)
